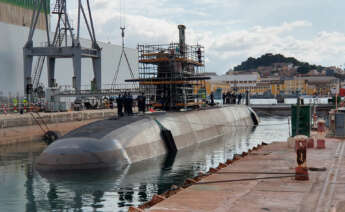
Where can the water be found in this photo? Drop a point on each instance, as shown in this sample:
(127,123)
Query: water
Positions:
(22,188)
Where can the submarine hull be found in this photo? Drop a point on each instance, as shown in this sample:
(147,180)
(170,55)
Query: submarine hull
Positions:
(117,143)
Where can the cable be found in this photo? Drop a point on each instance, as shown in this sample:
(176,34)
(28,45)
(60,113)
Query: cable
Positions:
(240,172)
(245,179)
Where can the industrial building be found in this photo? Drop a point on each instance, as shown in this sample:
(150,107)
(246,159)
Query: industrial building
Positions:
(15,19)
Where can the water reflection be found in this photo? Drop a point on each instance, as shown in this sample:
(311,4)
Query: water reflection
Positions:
(24,189)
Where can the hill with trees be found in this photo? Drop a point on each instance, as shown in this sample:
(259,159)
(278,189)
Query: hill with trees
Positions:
(271,59)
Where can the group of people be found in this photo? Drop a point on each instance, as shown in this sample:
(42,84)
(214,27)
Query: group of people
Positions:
(125,104)
(231,97)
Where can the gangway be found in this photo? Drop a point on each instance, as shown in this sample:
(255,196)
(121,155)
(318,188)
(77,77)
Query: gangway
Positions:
(99,93)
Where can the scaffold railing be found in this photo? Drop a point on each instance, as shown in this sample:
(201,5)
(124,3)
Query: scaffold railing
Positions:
(170,73)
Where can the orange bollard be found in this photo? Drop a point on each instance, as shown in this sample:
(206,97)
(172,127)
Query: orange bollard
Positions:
(300,139)
(310,143)
(314,121)
(301,151)
(301,173)
(321,126)
(321,144)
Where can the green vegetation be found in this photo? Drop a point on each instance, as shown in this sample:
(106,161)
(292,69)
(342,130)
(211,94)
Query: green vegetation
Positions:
(270,59)
(28,4)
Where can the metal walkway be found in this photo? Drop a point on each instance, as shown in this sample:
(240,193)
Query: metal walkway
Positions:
(97,93)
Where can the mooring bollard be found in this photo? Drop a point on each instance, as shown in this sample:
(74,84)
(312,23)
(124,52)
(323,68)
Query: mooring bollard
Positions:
(310,143)
(314,121)
(301,151)
(321,130)
(321,144)
(321,126)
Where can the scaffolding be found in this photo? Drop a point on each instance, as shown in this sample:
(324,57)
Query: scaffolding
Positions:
(169,74)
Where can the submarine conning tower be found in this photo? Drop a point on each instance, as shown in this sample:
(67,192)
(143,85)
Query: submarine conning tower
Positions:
(172,75)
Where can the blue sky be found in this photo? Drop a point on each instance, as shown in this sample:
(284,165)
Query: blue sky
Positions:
(231,30)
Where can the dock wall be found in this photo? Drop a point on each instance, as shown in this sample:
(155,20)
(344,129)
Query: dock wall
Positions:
(20,120)
(16,128)
(33,133)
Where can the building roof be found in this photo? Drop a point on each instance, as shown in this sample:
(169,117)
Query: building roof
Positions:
(317,79)
(241,77)
(237,77)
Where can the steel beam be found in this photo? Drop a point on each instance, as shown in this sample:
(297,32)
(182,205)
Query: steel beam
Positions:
(56,49)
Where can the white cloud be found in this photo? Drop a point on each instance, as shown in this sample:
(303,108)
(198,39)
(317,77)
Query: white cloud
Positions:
(150,21)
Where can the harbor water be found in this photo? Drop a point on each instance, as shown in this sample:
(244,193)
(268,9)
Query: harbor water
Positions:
(22,188)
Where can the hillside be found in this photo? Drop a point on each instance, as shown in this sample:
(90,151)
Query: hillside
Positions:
(268,60)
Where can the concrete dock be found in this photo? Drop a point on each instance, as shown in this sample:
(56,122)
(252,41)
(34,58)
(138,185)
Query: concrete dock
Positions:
(20,128)
(325,190)
(285,109)
(19,120)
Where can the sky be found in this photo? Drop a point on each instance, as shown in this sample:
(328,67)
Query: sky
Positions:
(231,30)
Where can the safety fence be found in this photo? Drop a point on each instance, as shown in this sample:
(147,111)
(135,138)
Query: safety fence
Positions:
(20,108)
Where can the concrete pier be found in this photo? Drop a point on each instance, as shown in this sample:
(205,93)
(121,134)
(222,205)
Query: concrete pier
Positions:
(285,109)
(325,191)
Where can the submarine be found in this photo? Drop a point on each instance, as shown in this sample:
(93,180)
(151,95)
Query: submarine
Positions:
(117,143)
(171,76)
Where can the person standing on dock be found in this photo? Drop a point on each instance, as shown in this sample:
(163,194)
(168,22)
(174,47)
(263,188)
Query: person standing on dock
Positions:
(130,104)
(141,103)
(247,97)
(239,98)
(125,103)
(212,99)
(228,97)
(119,104)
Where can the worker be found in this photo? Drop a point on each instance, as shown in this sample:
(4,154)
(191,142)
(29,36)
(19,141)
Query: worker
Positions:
(130,104)
(125,103)
(15,104)
(239,98)
(212,99)
(141,103)
(233,98)
(228,97)
(247,97)
(199,55)
(119,104)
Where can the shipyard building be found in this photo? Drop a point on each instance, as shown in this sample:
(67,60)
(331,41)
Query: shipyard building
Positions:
(15,19)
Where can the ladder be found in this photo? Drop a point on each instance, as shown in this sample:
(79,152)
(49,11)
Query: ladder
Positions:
(36,76)
(59,39)
(57,7)
(37,72)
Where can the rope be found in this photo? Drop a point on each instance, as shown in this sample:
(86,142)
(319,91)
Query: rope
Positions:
(245,179)
(240,172)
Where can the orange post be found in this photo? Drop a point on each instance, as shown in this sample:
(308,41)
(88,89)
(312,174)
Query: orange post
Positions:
(301,151)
